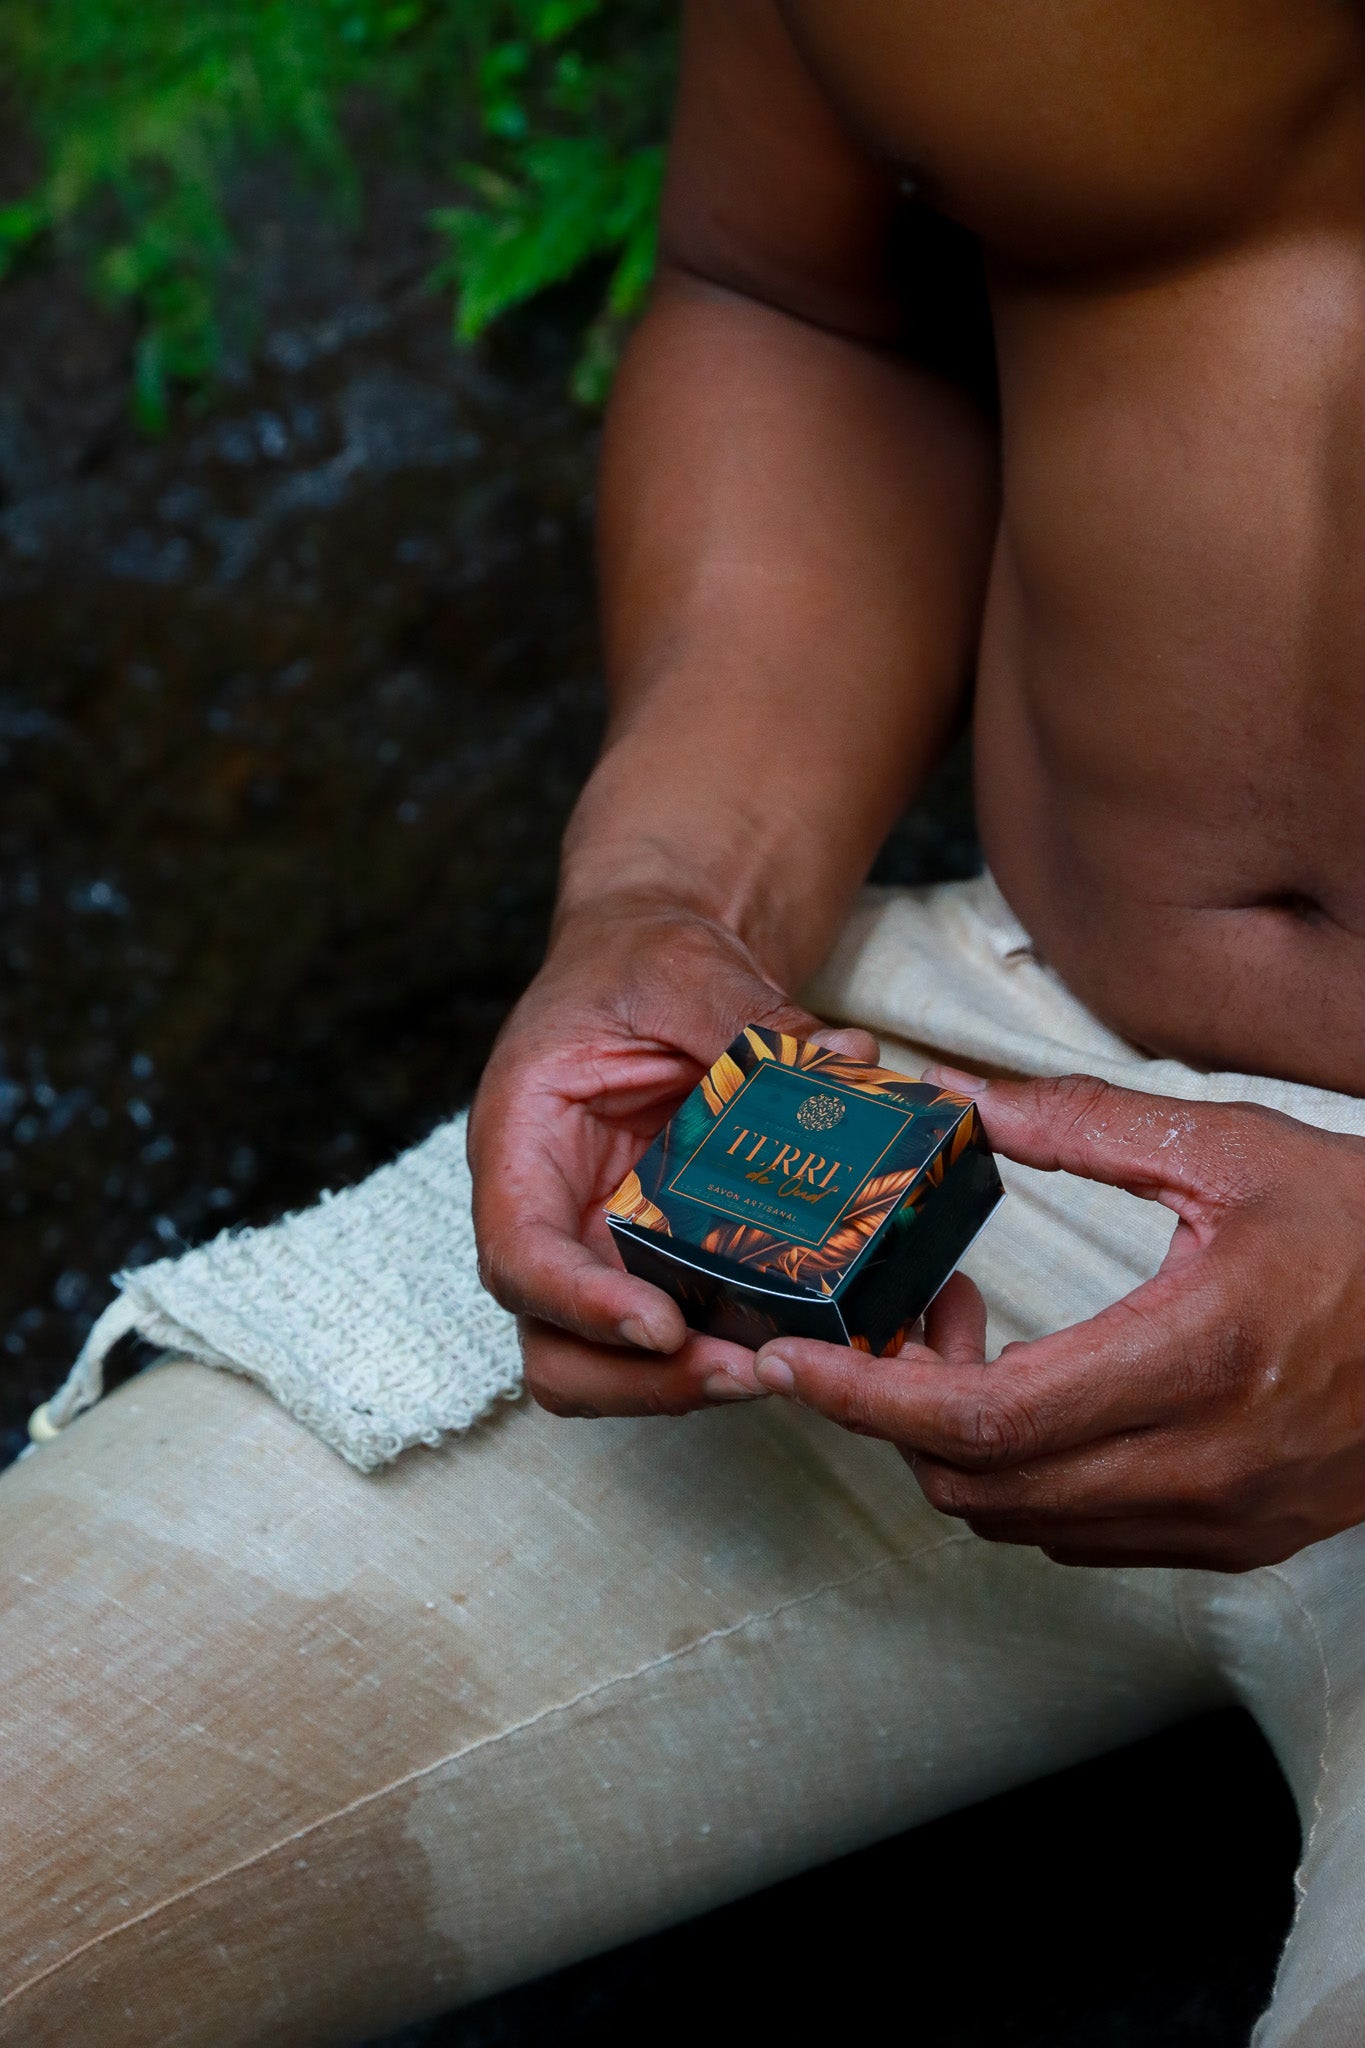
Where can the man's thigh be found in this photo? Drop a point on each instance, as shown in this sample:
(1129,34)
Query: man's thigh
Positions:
(288,1754)
(1292,1640)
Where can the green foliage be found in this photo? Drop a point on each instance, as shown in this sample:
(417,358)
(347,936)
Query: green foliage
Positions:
(577,198)
(141,109)
(571,170)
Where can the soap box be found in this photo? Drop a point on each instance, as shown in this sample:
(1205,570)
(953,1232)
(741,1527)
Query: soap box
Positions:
(797,1192)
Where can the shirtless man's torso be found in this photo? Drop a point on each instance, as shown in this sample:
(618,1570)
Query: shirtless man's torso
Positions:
(1139,561)
(1171,696)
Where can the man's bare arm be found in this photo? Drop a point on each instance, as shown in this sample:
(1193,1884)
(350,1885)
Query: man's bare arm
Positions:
(795,527)
(795,521)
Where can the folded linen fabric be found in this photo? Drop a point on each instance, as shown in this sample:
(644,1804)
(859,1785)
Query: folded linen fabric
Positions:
(363,1316)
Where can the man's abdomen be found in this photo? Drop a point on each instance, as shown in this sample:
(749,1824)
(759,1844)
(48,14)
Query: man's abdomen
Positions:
(1171,701)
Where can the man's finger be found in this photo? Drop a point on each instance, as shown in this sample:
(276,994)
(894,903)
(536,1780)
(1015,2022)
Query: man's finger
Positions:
(1159,1545)
(1147,1144)
(1196,1475)
(955,1323)
(1176,1546)
(573,1378)
(1147,1360)
(849,1042)
(887,1397)
(550,1274)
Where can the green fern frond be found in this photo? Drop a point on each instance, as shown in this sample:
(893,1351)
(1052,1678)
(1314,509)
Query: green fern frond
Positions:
(144,107)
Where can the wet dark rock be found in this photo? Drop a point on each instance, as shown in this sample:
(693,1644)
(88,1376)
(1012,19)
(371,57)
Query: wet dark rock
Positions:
(292,708)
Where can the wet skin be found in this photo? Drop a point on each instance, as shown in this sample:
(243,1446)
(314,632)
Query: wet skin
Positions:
(1150,572)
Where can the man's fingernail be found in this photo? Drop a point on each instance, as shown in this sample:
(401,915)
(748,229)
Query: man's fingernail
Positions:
(775,1373)
(955,1080)
(634,1330)
(718,1386)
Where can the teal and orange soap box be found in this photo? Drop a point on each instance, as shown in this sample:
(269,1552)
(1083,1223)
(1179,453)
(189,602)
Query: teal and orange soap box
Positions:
(796,1192)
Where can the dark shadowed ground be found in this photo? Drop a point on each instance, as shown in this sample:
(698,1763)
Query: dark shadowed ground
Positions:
(292,709)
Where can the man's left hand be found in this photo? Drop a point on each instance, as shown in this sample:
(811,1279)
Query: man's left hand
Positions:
(1214,1417)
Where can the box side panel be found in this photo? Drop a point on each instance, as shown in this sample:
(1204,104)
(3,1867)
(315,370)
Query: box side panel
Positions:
(921,1246)
(717,1303)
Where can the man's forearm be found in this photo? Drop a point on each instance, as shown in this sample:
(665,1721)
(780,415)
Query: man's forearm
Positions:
(795,530)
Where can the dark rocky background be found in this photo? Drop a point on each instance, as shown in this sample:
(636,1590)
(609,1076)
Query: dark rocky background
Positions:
(293,705)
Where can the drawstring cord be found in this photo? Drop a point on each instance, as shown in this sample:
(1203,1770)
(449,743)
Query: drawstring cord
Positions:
(84,1383)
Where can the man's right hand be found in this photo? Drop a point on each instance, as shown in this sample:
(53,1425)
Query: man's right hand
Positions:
(635,1001)
(796,522)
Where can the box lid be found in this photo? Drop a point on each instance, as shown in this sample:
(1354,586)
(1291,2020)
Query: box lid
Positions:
(788,1159)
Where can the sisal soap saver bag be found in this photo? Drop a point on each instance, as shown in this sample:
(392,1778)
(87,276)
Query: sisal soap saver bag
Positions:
(364,1316)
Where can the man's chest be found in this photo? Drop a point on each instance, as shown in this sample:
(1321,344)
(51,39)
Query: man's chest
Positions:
(1091,130)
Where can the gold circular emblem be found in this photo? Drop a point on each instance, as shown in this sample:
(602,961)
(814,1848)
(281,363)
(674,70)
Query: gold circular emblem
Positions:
(820,1113)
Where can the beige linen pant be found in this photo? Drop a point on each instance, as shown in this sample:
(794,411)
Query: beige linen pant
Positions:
(289,1755)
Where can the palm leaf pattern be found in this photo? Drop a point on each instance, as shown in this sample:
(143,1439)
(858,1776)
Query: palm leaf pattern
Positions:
(747,1246)
(964,1135)
(725,1080)
(631,1204)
